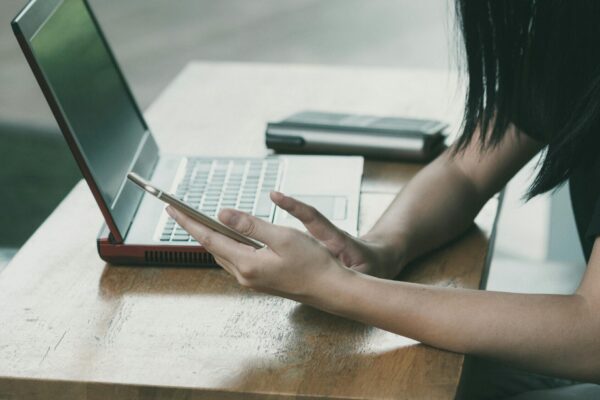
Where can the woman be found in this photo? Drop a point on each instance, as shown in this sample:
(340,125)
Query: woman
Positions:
(534,84)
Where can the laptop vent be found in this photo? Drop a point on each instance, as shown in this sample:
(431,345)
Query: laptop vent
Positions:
(179,258)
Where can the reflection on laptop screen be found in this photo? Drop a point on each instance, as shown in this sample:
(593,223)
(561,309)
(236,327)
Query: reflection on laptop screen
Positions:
(91,94)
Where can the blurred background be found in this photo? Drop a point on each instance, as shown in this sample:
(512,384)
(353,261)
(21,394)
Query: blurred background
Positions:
(536,249)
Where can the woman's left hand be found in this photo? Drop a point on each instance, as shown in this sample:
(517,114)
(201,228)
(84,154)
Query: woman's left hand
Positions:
(293,265)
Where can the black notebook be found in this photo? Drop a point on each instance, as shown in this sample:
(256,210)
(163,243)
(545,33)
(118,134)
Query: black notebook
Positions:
(351,134)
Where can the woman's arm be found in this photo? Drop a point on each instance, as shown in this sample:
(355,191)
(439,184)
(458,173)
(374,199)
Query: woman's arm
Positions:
(551,334)
(442,200)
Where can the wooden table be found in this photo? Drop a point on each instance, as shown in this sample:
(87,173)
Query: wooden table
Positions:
(72,327)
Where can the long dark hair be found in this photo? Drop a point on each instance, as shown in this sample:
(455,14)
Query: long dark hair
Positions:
(535,64)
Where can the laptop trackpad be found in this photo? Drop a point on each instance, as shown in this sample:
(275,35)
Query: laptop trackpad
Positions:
(332,207)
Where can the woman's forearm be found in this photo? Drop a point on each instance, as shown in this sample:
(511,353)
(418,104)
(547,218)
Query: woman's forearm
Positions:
(437,205)
(549,334)
(442,200)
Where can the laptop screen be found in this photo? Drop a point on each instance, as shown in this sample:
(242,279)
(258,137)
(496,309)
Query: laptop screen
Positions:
(91,94)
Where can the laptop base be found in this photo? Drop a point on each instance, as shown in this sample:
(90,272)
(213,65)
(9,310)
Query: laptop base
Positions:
(152,254)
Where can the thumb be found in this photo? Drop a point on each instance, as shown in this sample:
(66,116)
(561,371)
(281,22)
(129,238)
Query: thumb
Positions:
(250,226)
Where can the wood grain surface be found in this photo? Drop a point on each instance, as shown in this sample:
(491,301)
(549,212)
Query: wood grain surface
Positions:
(73,327)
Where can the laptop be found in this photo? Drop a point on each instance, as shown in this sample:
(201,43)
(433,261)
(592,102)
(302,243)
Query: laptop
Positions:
(107,134)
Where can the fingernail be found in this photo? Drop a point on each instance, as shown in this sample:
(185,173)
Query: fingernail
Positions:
(228,217)
(172,213)
(275,195)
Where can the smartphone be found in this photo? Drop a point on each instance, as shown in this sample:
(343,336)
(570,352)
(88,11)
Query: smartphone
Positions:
(191,212)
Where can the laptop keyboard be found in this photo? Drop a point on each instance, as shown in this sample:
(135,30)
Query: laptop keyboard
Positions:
(210,185)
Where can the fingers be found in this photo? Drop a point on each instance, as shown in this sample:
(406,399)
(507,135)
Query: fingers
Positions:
(224,264)
(251,226)
(315,222)
(227,266)
(219,245)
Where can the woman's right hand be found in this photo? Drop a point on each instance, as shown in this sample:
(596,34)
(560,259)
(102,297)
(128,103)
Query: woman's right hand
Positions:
(363,255)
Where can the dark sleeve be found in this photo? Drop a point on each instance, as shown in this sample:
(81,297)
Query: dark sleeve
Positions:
(584,185)
(594,227)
